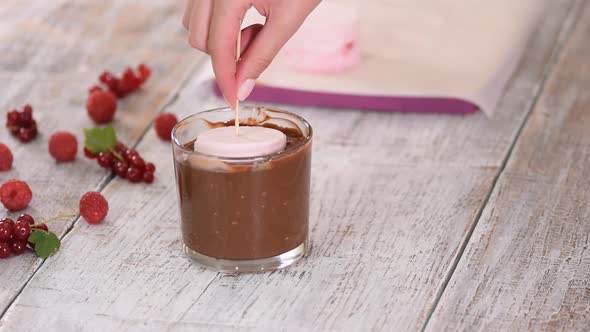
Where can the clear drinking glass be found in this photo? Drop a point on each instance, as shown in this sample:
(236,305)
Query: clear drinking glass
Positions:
(244,214)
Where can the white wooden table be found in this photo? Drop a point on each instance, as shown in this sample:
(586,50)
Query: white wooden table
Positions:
(441,223)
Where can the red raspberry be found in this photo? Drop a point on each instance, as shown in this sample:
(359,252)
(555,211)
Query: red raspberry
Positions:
(94,88)
(6,158)
(164,124)
(63,146)
(93,207)
(101,106)
(15,195)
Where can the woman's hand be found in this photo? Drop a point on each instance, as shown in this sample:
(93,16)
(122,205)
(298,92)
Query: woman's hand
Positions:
(213,27)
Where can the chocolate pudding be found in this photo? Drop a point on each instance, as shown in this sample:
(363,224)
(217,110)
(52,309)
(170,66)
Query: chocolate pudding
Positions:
(243,210)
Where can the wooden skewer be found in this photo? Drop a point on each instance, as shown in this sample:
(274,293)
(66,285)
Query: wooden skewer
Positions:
(237,120)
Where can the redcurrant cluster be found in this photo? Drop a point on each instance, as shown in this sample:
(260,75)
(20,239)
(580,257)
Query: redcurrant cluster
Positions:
(124,162)
(21,124)
(14,236)
(128,82)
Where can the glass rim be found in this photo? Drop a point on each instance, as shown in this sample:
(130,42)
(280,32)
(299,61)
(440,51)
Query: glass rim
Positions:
(262,158)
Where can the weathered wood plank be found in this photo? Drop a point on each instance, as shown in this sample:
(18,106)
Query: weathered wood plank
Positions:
(389,217)
(527,266)
(50,53)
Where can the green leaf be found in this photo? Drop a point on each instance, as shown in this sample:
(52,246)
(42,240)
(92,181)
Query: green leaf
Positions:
(46,243)
(100,139)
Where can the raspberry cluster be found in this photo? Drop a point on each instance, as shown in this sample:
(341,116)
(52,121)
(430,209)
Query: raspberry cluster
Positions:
(100,144)
(21,124)
(128,82)
(14,236)
(124,162)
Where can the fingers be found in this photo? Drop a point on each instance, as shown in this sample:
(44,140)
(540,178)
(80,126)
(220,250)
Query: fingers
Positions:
(248,34)
(214,26)
(198,25)
(223,33)
(280,25)
(187,13)
(259,54)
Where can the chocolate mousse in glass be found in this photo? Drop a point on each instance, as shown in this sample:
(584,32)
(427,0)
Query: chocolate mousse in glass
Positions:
(244,214)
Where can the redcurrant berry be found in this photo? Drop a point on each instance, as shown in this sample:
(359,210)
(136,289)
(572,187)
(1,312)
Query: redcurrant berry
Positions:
(150,167)
(5,249)
(148,177)
(105,159)
(137,162)
(6,230)
(12,119)
(22,230)
(26,134)
(134,174)
(129,154)
(18,247)
(129,82)
(7,220)
(25,118)
(121,169)
(26,218)
(89,154)
(42,227)
(144,72)
(121,148)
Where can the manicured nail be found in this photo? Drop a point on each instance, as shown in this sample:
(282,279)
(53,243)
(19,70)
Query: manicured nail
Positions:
(245,89)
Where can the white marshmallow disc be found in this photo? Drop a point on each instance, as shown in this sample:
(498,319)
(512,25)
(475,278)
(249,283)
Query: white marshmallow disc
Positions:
(250,142)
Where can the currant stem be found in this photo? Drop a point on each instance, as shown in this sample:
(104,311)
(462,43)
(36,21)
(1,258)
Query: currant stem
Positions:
(60,216)
(116,154)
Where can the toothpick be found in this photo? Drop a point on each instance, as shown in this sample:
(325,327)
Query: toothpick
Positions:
(237,120)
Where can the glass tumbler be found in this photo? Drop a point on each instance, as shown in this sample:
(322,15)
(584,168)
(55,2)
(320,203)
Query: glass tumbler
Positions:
(244,214)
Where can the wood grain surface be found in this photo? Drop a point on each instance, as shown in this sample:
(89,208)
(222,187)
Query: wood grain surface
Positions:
(527,265)
(51,52)
(391,214)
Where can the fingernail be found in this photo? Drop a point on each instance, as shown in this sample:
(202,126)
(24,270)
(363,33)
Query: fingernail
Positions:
(245,89)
